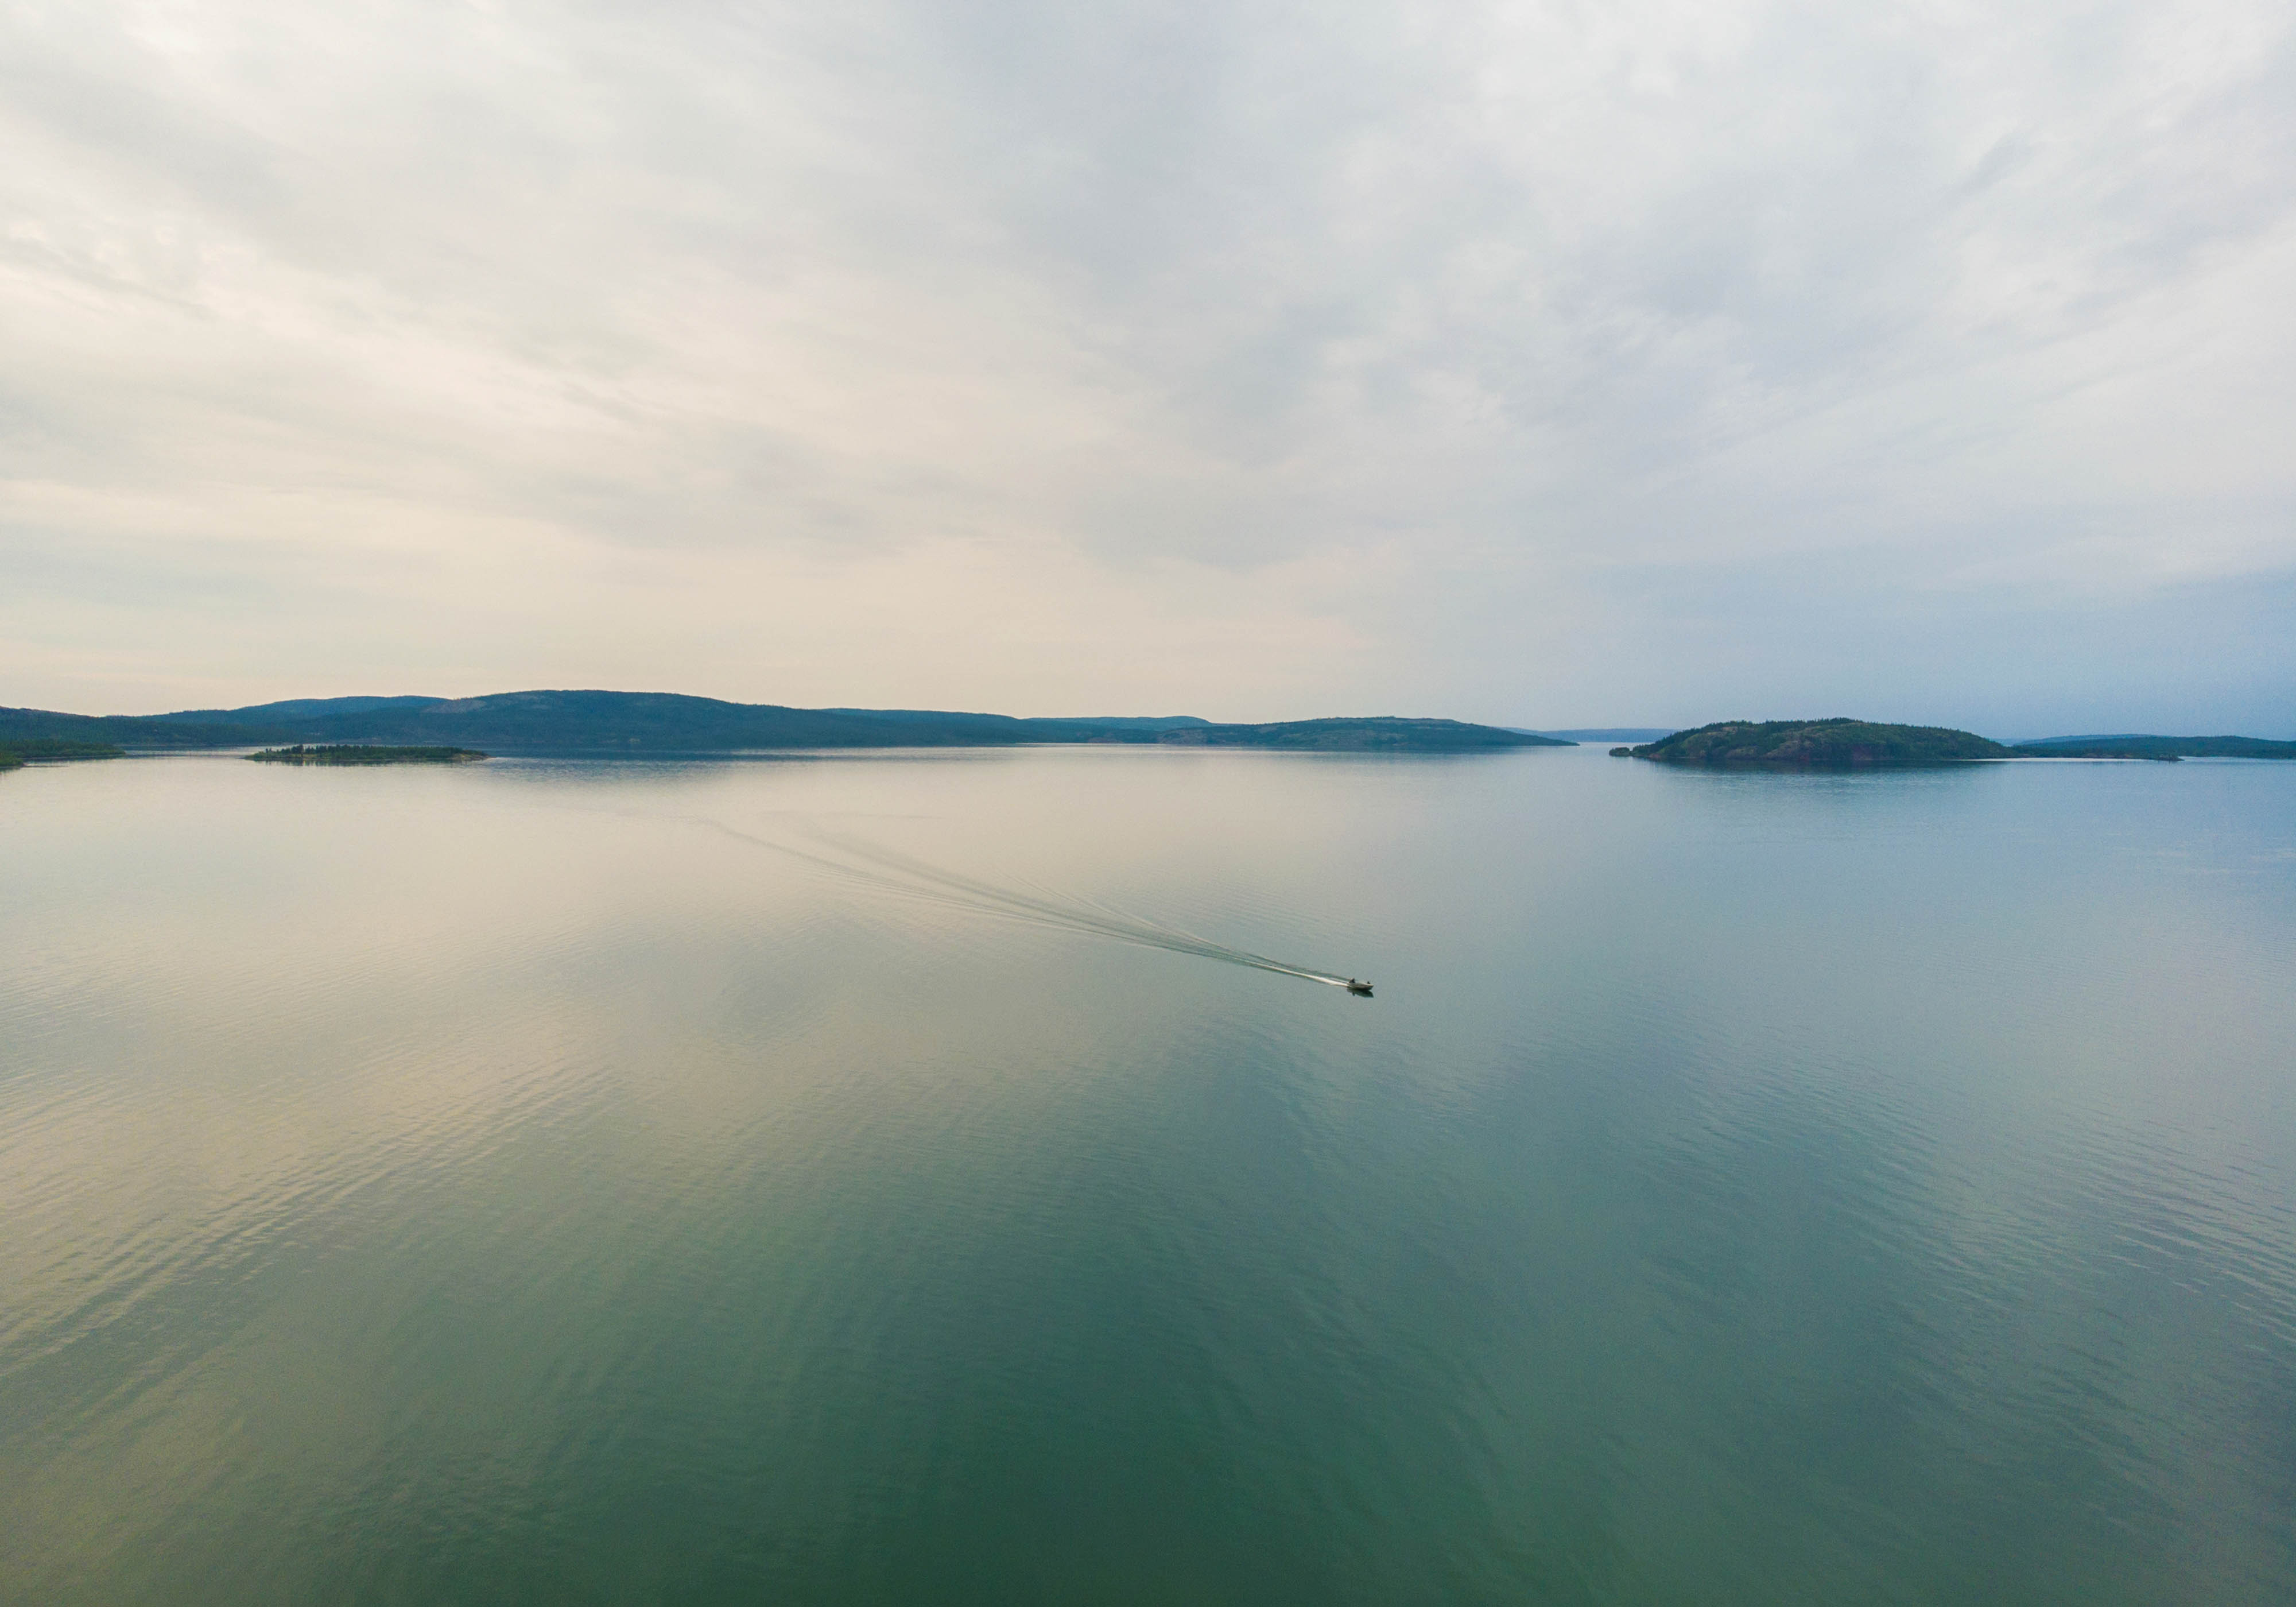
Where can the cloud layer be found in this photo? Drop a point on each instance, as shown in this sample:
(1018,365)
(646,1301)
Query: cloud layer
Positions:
(1539,363)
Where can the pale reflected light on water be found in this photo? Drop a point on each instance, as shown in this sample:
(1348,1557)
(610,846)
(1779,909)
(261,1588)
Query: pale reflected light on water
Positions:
(530,1183)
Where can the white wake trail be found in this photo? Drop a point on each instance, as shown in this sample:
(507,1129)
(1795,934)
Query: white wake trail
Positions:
(899,875)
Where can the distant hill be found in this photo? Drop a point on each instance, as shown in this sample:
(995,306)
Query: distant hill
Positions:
(2155,747)
(1386,731)
(18,726)
(295,709)
(1605,734)
(649,722)
(1115,722)
(1834,743)
(641,722)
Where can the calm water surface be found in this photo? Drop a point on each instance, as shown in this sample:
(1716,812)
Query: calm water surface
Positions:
(527,1183)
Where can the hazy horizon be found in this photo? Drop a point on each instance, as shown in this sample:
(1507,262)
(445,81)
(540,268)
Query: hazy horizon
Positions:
(1578,729)
(1506,363)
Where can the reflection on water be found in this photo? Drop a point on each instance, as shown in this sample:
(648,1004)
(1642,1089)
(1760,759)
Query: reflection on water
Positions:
(522,1183)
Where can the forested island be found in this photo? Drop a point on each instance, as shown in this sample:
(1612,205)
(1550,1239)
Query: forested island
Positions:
(1818,744)
(365,753)
(1850,744)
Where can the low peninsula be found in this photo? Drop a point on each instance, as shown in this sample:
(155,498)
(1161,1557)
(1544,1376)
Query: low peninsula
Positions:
(17,752)
(1818,744)
(2155,747)
(362,753)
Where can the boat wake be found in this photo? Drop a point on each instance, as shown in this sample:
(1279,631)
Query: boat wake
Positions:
(898,875)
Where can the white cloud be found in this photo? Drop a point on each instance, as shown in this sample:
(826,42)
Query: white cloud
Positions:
(1486,359)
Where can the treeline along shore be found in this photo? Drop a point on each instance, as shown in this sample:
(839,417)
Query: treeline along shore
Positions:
(16,752)
(416,730)
(643,722)
(366,753)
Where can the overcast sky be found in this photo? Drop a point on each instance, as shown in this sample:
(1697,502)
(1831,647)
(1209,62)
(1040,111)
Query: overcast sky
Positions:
(1551,364)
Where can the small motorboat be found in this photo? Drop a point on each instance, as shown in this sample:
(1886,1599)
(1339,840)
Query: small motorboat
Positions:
(1362,988)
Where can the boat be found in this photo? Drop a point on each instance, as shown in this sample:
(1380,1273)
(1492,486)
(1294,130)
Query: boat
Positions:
(1362,988)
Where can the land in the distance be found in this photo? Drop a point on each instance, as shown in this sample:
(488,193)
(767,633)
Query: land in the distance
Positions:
(1610,734)
(366,753)
(1848,743)
(637,722)
(1818,744)
(17,752)
(2155,747)
(601,723)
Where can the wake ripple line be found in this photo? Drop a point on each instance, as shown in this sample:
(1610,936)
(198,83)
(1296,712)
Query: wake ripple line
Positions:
(922,882)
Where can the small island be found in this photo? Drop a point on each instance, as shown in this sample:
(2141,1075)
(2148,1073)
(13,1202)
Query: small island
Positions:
(360,753)
(1818,744)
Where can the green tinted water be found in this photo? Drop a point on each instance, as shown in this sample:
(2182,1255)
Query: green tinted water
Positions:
(508,1184)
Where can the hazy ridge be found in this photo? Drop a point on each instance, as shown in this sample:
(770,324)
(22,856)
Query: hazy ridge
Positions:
(597,722)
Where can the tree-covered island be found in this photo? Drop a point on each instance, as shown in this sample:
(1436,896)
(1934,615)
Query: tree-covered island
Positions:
(361,753)
(1818,744)
(1850,744)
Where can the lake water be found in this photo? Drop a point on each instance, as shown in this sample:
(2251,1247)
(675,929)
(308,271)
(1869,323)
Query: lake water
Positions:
(536,1182)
